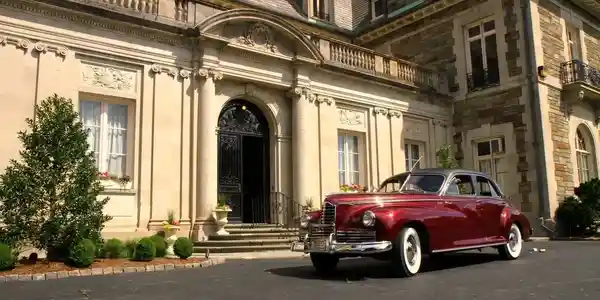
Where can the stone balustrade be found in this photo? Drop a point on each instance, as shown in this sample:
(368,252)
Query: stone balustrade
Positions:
(367,61)
(171,9)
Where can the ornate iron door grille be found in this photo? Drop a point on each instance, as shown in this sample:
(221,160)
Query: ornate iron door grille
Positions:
(244,161)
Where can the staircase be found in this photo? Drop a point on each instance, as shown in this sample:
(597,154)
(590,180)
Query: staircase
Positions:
(249,238)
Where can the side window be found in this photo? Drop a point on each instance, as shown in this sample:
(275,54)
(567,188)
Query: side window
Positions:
(486,188)
(461,185)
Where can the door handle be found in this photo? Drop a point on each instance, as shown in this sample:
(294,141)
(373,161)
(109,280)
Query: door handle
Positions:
(478,201)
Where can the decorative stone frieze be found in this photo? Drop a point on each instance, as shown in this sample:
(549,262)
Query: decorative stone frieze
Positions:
(108,77)
(39,46)
(208,72)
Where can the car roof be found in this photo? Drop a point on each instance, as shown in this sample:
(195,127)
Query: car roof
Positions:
(442,171)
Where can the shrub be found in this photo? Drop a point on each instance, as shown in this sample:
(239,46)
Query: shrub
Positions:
(183,247)
(145,250)
(82,254)
(130,245)
(7,258)
(580,215)
(50,194)
(114,248)
(161,245)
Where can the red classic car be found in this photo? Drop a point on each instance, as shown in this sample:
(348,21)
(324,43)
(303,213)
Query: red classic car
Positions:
(423,212)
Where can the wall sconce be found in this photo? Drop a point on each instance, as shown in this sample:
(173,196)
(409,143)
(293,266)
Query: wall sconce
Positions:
(541,72)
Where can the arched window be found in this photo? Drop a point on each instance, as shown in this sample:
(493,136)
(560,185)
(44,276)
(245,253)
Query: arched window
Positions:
(584,149)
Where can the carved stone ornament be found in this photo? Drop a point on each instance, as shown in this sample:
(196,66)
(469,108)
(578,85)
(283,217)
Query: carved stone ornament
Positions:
(160,69)
(41,47)
(350,117)
(258,35)
(205,73)
(305,92)
(380,111)
(438,122)
(109,78)
(394,113)
(324,99)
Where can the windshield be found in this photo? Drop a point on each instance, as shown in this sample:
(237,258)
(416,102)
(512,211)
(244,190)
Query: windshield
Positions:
(392,185)
(423,183)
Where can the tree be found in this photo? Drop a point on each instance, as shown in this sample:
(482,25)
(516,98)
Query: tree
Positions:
(445,158)
(49,197)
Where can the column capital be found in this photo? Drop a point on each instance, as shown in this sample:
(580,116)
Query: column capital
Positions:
(394,113)
(380,111)
(437,122)
(209,72)
(306,92)
(324,99)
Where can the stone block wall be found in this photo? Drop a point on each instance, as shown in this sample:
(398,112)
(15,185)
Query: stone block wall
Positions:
(559,126)
(592,45)
(552,39)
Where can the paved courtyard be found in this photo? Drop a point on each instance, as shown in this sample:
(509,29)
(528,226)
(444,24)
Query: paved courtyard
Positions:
(567,270)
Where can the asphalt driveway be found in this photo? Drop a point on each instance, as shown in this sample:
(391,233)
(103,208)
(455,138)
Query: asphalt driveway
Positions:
(567,270)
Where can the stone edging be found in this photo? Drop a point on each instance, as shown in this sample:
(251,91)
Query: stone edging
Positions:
(109,271)
(588,239)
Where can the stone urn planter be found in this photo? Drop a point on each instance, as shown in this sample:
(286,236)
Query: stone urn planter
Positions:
(220,216)
(170,238)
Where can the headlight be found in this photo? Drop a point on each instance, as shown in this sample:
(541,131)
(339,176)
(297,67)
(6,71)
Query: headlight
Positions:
(304,221)
(368,218)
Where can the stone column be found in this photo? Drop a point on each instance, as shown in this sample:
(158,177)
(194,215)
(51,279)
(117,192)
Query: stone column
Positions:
(208,114)
(305,146)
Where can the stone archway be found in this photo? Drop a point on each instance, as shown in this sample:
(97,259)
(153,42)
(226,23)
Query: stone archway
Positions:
(243,161)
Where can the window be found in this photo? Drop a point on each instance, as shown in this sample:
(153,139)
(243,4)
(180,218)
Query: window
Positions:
(322,9)
(348,158)
(482,55)
(392,184)
(412,153)
(461,185)
(423,183)
(574,46)
(486,187)
(490,158)
(108,127)
(585,157)
(377,8)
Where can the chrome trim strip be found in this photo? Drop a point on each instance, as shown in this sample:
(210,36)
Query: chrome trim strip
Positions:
(334,247)
(468,247)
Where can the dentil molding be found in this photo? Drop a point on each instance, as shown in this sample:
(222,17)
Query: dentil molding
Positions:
(39,46)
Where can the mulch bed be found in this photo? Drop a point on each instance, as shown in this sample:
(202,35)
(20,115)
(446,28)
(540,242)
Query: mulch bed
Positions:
(44,266)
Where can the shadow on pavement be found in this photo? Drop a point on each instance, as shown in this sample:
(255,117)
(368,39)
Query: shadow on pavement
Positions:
(363,268)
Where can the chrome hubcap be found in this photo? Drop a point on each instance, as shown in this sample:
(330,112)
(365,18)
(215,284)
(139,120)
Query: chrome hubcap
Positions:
(411,250)
(513,241)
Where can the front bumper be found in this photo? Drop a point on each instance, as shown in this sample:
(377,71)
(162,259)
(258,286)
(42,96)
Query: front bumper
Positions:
(330,246)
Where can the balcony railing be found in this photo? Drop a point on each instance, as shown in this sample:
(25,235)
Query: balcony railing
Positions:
(171,9)
(482,79)
(366,61)
(576,71)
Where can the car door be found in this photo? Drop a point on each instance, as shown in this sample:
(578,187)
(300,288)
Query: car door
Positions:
(490,204)
(465,222)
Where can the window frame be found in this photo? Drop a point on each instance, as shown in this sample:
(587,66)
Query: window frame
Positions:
(573,37)
(408,162)
(315,8)
(130,128)
(348,156)
(481,36)
(490,182)
(373,16)
(492,157)
(584,154)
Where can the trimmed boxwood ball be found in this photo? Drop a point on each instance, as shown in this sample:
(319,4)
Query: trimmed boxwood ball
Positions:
(114,248)
(7,258)
(82,254)
(145,250)
(161,245)
(183,247)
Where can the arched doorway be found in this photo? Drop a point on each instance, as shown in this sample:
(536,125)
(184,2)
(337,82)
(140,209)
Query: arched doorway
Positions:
(244,161)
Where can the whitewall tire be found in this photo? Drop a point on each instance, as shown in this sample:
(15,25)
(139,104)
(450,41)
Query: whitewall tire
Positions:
(408,255)
(513,248)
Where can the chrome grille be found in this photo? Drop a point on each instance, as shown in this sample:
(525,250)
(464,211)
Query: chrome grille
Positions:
(328,214)
(355,236)
(320,231)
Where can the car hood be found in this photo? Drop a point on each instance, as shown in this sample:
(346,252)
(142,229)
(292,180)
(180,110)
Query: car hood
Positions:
(374,198)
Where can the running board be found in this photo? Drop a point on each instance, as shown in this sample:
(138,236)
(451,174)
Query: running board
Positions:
(468,247)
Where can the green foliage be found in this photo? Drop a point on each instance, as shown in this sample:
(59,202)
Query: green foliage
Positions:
(130,245)
(7,257)
(82,253)
(580,215)
(183,247)
(114,248)
(161,245)
(145,250)
(49,196)
(445,158)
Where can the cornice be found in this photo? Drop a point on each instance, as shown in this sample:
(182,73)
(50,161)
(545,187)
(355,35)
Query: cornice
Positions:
(96,22)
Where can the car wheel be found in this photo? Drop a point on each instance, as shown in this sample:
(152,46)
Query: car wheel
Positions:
(324,263)
(514,247)
(407,256)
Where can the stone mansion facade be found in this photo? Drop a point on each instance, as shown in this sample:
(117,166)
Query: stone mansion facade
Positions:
(262,100)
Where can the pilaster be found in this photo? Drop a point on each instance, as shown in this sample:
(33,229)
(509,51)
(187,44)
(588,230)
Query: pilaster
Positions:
(384,143)
(328,124)
(396,140)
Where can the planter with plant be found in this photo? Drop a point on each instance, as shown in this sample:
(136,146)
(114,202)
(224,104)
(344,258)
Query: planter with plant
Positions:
(221,212)
(308,206)
(171,226)
(351,188)
(108,180)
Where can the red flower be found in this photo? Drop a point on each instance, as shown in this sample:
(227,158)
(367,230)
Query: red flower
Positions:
(176,222)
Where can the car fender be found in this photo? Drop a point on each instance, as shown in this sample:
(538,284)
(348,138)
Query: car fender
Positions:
(512,215)
(390,220)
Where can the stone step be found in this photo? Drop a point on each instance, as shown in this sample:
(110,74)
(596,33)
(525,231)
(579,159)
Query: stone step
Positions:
(260,230)
(238,243)
(251,226)
(239,249)
(255,236)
